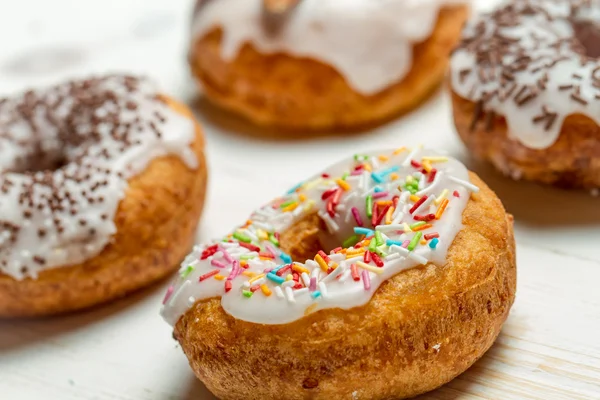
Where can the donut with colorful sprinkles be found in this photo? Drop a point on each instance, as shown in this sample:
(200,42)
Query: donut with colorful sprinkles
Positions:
(102,183)
(384,276)
(526,90)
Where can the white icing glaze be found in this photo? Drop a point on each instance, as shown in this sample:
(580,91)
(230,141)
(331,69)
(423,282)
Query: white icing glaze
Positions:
(543,35)
(334,288)
(51,126)
(370,42)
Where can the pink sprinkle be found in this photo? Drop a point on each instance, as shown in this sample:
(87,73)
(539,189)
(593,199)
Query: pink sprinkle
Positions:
(379,195)
(217,263)
(271,249)
(356,172)
(226,255)
(366,279)
(267,270)
(234,270)
(405,243)
(456,194)
(357,217)
(313,284)
(168,294)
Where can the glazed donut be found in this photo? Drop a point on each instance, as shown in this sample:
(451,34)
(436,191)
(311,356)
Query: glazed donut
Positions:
(101,186)
(330,64)
(526,83)
(418,282)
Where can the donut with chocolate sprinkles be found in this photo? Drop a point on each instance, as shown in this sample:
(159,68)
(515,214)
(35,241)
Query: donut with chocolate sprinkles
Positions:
(525,83)
(102,183)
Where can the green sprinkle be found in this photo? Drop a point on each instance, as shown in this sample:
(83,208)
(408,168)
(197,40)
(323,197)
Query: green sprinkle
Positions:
(378,238)
(247,293)
(369,206)
(287,203)
(187,271)
(380,252)
(241,237)
(414,241)
(360,157)
(345,176)
(417,224)
(273,239)
(351,241)
(247,256)
(372,245)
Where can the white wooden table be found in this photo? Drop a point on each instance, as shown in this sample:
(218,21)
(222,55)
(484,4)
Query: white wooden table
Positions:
(548,349)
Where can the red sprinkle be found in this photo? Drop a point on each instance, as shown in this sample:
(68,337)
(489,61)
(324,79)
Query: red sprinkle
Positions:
(328,193)
(432,175)
(228,286)
(254,288)
(375,216)
(297,286)
(249,246)
(337,249)
(430,236)
(296,276)
(325,176)
(367,257)
(283,270)
(395,199)
(209,251)
(426,217)
(380,217)
(208,275)
(354,272)
(456,194)
(330,209)
(378,261)
(418,203)
(416,164)
(324,256)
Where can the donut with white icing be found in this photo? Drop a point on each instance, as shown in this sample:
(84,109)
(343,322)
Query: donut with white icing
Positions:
(101,186)
(387,275)
(322,64)
(526,90)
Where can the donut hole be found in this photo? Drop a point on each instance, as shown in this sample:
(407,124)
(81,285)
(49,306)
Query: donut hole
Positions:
(587,35)
(306,237)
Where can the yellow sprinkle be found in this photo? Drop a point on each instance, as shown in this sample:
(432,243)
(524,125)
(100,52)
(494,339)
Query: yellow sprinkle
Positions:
(291,207)
(384,203)
(441,197)
(257,277)
(368,267)
(427,166)
(312,184)
(321,262)
(407,228)
(309,205)
(441,209)
(300,269)
(388,216)
(423,241)
(265,289)
(248,273)
(394,176)
(343,184)
(358,252)
(435,159)
(399,150)
(302,197)
(367,167)
(265,258)
(409,179)
(248,222)
(219,277)
(262,234)
(289,277)
(414,198)
(383,158)
(334,265)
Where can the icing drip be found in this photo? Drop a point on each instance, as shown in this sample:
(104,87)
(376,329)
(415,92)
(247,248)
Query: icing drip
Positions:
(533,61)
(391,210)
(67,153)
(338,33)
